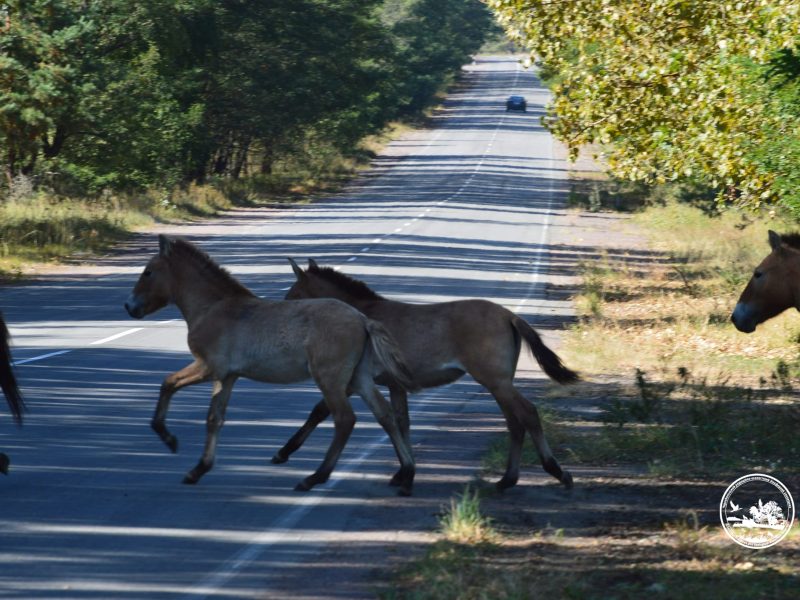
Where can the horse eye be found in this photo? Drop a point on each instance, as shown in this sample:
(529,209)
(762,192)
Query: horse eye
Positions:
(147,273)
(757,274)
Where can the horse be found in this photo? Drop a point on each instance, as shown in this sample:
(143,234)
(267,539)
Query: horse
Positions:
(774,285)
(442,342)
(232,333)
(8,382)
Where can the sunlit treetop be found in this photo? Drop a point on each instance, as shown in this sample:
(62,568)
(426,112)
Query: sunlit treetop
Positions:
(665,88)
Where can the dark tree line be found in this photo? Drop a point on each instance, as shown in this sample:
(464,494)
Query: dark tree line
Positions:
(116,94)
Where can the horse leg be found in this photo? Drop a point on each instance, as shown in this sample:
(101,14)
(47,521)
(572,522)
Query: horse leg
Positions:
(526,413)
(344,419)
(516,433)
(404,478)
(197,372)
(4,463)
(318,414)
(399,400)
(216,417)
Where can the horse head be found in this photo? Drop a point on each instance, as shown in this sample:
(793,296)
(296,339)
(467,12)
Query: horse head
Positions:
(773,286)
(152,290)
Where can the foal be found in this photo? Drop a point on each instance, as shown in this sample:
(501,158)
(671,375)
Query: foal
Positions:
(233,334)
(442,342)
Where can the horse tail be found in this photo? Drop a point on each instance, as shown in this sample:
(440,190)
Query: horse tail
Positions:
(549,361)
(7,380)
(387,352)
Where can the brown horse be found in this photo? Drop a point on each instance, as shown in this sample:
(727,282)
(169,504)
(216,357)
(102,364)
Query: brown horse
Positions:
(233,334)
(774,286)
(9,385)
(442,342)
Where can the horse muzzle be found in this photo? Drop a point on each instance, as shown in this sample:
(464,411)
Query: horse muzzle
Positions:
(743,319)
(134,307)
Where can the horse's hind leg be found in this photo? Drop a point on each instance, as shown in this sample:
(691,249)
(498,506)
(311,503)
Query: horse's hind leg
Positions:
(216,417)
(197,372)
(515,404)
(344,419)
(516,433)
(404,478)
(318,414)
(399,400)
(4,463)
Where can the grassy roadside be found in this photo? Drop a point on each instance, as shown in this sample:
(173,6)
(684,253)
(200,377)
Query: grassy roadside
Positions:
(696,405)
(37,227)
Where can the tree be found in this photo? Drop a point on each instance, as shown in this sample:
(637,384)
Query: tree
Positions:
(669,89)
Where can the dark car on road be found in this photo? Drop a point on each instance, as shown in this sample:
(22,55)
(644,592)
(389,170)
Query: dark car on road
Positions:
(516,103)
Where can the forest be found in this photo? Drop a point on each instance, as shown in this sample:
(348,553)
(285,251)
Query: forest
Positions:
(102,96)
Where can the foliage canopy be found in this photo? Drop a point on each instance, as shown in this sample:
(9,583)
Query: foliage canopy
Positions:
(670,89)
(98,94)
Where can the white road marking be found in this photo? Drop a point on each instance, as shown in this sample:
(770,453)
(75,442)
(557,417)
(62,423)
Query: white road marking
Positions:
(41,357)
(116,336)
(95,343)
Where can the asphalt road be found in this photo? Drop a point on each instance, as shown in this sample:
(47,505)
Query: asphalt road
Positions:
(94,506)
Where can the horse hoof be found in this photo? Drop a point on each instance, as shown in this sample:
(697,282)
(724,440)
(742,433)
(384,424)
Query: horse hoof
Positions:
(396,480)
(404,491)
(172,444)
(505,483)
(302,487)
(191,479)
(279,459)
(566,479)
(4,463)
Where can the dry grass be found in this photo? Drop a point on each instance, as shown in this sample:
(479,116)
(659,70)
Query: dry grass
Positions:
(675,309)
(683,397)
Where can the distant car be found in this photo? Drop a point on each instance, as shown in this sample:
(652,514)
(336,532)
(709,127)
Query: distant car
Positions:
(516,103)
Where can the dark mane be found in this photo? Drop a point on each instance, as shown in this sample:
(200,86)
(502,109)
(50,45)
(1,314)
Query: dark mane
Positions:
(188,252)
(791,239)
(358,289)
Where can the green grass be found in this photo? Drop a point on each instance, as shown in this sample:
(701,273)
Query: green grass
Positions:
(463,523)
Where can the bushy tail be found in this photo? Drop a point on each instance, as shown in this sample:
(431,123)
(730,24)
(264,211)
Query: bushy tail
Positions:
(7,380)
(387,352)
(549,361)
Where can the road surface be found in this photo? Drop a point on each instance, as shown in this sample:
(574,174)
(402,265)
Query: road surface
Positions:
(94,506)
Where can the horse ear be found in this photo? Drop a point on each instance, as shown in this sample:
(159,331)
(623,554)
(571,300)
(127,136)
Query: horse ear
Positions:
(164,246)
(296,268)
(774,240)
(312,265)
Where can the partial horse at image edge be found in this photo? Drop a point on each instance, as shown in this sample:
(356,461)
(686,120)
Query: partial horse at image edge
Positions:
(774,286)
(8,382)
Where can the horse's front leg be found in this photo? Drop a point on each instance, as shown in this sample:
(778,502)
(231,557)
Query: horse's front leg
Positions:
(197,372)
(4,463)
(216,417)
(318,414)
(344,419)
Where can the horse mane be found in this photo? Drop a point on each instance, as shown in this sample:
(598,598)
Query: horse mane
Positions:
(791,239)
(354,287)
(186,251)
